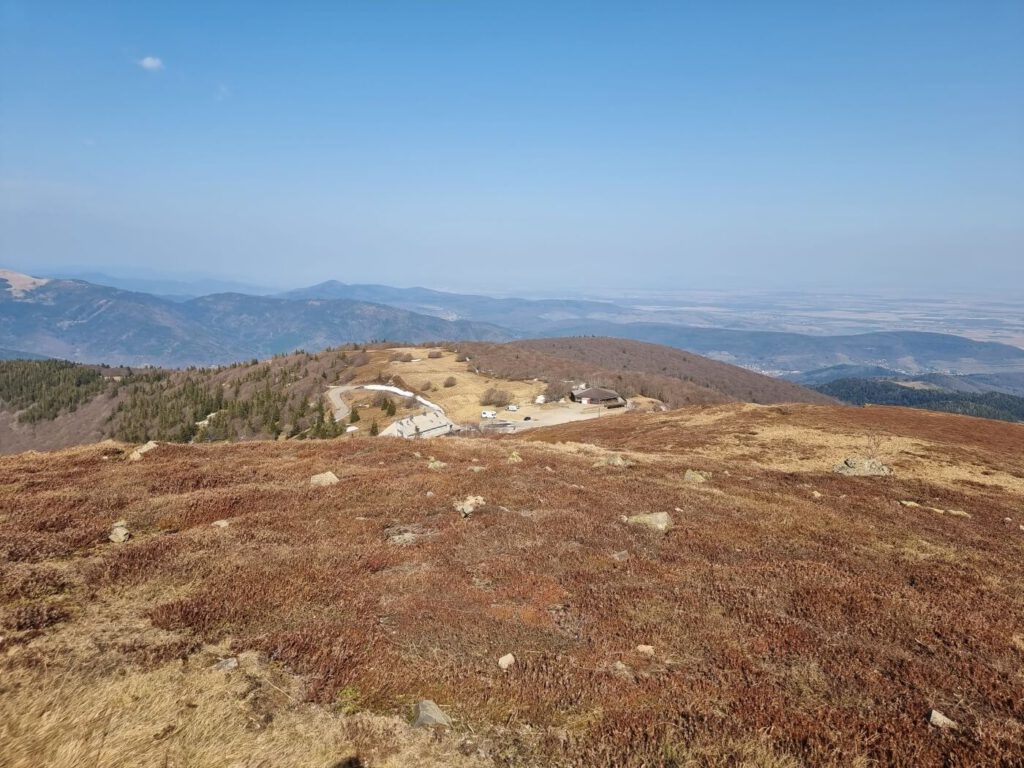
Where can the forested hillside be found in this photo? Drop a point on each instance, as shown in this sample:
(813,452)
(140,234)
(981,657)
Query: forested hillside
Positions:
(988,405)
(246,400)
(43,389)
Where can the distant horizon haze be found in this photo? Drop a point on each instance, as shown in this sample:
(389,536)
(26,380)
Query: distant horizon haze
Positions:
(567,148)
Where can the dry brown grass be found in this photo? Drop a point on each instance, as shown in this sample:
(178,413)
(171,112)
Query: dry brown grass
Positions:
(462,389)
(788,628)
(672,376)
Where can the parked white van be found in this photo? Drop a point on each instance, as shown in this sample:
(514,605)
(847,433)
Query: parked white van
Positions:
(488,414)
(511,407)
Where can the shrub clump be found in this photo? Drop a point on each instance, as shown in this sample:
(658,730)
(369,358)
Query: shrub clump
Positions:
(496,397)
(35,615)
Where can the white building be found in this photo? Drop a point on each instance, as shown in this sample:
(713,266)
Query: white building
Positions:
(428,424)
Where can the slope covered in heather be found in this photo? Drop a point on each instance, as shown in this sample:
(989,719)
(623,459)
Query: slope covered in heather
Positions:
(786,616)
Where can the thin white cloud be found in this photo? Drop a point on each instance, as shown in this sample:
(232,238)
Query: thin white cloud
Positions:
(152,63)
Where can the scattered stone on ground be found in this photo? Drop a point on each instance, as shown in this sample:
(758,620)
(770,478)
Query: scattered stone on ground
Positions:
(430,494)
(816,494)
(958,513)
(142,450)
(323,479)
(859,466)
(514,458)
(696,477)
(907,503)
(404,539)
(939,720)
(620,557)
(436,464)
(224,665)
(506,661)
(658,521)
(646,650)
(621,669)
(615,460)
(119,532)
(220,523)
(469,505)
(426,714)
(477,468)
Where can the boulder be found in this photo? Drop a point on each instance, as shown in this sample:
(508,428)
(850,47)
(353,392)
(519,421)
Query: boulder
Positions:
(657,521)
(621,556)
(616,460)
(220,523)
(939,720)
(506,661)
(406,539)
(436,464)
(324,479)
(119,533)
(695,477)
(426,714)
(469,505)
(621,669)
(141,451)
(859,466)
(226,665)
(646,650)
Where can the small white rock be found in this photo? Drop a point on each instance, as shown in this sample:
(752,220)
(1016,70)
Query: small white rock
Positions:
(646,650)
(658,521)
(139,452)
(506,661)
(119,534)
(324,479)
(220,523)
(939,720)
(469,505)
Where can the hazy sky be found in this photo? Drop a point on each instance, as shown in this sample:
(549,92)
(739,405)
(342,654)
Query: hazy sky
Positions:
(477,144)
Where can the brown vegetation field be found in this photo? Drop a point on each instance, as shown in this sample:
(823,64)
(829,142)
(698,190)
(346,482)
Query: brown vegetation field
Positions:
(794,616)
(670,375)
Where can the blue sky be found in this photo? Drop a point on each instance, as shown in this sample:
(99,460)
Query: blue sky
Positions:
(528,145)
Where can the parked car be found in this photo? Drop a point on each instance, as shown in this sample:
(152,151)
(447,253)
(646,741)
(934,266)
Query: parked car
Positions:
(527,418)
(488,414)
(511,407)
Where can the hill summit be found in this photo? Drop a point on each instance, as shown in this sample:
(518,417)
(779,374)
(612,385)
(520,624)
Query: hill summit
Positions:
(692,587)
